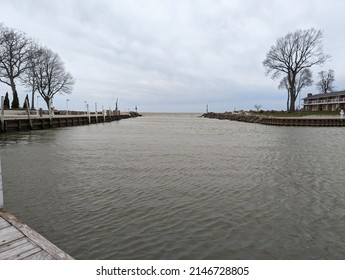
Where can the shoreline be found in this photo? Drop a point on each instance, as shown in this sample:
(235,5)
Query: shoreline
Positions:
(278,121)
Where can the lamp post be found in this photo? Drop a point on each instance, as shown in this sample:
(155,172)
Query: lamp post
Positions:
(85,107)
(96,116)
(67,106)
(88,112)
(37,104)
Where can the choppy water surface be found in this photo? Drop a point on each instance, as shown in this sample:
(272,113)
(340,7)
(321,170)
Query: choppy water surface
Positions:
(175,186)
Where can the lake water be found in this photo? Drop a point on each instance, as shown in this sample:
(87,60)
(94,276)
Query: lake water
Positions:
(176,186)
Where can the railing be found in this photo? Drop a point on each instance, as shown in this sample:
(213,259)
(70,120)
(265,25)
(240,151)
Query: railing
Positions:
(325,101)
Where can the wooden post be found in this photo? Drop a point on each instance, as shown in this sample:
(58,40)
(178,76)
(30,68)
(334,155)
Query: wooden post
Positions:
(2,117)
(1,191)
(28,112)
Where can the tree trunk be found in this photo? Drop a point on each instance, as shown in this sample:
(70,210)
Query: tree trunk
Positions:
(292,105)
(292,89)
(292,101)
(15,102)
(47,100)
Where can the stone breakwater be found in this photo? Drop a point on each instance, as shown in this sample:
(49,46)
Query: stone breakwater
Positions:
(241,117)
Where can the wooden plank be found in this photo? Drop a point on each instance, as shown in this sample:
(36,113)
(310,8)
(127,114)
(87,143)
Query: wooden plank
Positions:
(12,244)
(22,255)
(9,234)
(35,237)
(19,250)
(46,245)
(42,255)
(3,223)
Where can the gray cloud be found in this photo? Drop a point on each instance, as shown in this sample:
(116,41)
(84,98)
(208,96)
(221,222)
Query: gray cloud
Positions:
(174,55)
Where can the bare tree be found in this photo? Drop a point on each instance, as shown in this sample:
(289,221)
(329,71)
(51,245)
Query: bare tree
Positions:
(14,47)
(50,76)
(292,54)
(29,77)
(325,84)
(303,79)
(257,107)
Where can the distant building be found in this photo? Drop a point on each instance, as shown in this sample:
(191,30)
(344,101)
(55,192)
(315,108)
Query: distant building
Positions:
(325,101)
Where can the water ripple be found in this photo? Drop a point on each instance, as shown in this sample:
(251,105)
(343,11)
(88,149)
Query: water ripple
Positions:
(181,187)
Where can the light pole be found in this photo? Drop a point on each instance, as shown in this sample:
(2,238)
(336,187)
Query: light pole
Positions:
(37,105)
(67,106)
(96,117)
(85,106)
(88,112)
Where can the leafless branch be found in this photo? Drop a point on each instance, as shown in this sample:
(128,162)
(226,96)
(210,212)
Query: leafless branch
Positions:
(292,55)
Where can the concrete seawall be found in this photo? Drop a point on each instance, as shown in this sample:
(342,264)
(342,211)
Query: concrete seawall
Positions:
(289,121)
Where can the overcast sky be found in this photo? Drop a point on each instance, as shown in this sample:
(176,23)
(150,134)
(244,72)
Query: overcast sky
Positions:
(174,55)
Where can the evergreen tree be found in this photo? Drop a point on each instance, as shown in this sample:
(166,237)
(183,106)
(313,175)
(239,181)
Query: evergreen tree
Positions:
(6,102)
(26,99)
(15,101)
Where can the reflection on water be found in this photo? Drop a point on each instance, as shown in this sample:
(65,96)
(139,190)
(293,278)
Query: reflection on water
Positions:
(175,186)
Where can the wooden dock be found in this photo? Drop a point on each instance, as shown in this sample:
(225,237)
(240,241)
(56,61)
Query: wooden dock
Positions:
(24,123)
(19,242)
